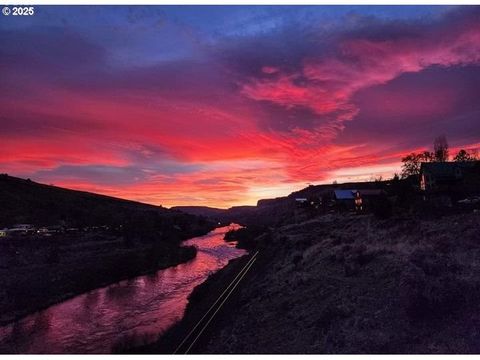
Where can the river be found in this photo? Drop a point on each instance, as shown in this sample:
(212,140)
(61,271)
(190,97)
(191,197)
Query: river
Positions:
(134,311)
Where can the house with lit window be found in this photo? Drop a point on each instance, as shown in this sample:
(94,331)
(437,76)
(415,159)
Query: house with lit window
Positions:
(449,176)
(358,200)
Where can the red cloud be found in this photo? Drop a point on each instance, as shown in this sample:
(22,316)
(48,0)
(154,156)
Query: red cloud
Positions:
(235,150)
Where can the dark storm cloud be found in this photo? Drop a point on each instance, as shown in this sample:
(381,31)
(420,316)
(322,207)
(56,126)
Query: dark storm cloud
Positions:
(410,111)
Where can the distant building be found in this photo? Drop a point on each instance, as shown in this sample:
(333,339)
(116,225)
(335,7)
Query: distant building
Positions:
(371,193)
(344,194)
(312,202)
(447,176)
(368,197)
(22,229)
(358,200)
(344,199)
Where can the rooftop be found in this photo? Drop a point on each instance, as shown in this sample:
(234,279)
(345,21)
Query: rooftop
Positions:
(345,194)
(446,168)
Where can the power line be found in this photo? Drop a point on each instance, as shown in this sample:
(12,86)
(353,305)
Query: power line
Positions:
(250,261)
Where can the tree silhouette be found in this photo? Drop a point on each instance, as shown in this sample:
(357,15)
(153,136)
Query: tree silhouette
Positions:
(428,156)
(463,155)
(412,162)
(440,148)
(411,165)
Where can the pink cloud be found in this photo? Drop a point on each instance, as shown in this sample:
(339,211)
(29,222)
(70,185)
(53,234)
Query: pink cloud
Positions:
(270,69)
(326,85)
(230,145)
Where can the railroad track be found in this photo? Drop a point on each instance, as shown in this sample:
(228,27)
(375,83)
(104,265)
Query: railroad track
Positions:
(192,337)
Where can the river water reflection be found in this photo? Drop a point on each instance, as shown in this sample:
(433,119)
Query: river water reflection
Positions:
(131,311)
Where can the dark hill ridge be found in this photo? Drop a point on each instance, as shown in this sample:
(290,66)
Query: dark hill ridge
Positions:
(25,201)
(104,240)
(238,214)
(31,202)
(200,210)
(280,210)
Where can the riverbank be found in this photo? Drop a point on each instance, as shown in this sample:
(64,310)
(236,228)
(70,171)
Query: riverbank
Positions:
(36,272)
(345,283)
(199,301)
(124,314)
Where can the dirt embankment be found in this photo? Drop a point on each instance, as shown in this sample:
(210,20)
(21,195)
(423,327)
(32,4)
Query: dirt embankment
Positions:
(351,284)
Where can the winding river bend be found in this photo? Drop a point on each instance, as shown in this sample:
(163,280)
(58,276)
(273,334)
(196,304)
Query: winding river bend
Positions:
(130,312)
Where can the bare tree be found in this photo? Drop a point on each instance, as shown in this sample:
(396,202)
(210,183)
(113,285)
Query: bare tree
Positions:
(440,148)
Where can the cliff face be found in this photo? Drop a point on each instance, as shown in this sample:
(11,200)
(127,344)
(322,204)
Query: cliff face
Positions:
(355,284)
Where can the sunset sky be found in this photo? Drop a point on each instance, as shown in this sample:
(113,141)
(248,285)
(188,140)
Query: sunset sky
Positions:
(222,106)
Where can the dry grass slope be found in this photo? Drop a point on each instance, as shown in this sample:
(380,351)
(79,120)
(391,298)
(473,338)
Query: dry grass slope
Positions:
(356,284)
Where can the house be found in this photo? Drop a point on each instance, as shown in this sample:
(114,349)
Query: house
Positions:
(448,176)
(344,199)
(369,197)
(371,193)
(24,227)
(358,200)
(301,200)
